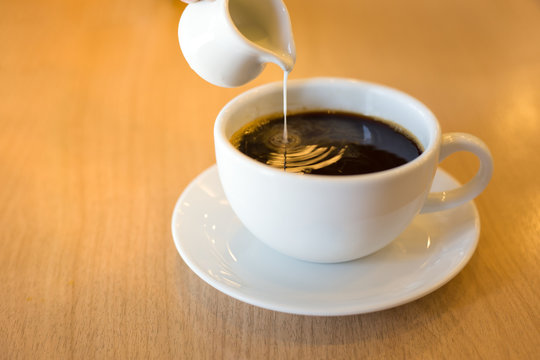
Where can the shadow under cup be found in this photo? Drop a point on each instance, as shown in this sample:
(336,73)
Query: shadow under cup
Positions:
(324,218)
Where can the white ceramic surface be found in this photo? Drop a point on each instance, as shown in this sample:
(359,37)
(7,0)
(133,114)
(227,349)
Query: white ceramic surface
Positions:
(338,218)
(228,42)
(219,249)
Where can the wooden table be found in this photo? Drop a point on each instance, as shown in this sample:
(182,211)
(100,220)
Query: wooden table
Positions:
(103,124)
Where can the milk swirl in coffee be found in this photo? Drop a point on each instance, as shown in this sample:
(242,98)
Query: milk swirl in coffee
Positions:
(327,143)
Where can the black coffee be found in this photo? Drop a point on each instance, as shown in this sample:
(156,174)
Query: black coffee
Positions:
(327,143)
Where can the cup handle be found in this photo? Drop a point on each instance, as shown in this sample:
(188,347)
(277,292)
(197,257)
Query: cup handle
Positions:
(451,143)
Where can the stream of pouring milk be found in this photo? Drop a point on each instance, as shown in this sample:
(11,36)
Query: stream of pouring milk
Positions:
(261,25)
(285,135)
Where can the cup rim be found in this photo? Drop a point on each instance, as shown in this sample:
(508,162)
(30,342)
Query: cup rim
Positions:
(266,89)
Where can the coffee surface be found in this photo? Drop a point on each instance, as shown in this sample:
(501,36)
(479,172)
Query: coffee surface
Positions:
(327,143)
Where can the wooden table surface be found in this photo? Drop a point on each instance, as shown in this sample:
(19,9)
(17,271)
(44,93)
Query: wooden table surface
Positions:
(103,125)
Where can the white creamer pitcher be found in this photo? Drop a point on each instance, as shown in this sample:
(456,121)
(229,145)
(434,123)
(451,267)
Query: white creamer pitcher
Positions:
(229,42)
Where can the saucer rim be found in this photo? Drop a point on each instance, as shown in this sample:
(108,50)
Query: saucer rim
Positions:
(341,310)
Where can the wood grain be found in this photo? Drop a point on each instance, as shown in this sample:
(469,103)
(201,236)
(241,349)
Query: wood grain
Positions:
(103,124)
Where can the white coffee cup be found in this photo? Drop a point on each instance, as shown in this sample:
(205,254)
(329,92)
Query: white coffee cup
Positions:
(323,218)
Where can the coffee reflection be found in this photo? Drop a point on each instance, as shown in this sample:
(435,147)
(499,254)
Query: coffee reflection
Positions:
(327,143)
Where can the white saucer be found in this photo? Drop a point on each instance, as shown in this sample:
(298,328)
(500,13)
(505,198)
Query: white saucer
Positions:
(216,246)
